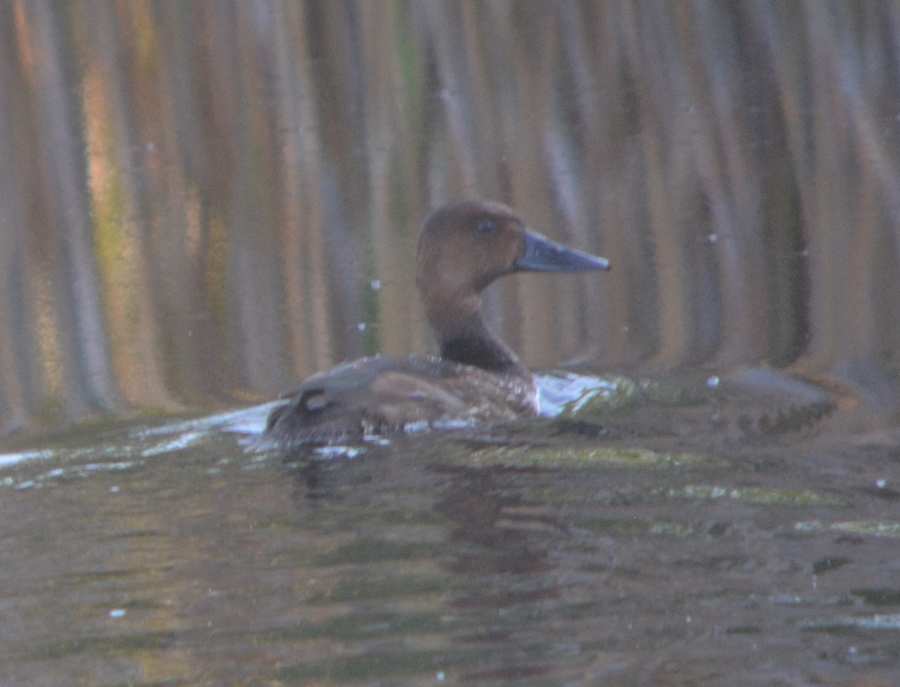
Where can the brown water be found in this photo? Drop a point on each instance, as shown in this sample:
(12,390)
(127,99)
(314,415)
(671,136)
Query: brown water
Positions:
(677,533)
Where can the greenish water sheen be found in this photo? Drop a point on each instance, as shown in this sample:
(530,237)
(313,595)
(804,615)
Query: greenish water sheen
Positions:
(562,457)
(665,541)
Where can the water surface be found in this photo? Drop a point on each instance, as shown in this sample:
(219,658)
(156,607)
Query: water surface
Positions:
(682,535)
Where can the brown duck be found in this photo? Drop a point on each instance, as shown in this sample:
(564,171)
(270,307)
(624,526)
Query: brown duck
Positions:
(463,247)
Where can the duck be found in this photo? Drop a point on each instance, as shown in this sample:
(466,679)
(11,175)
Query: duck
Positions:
(476,380)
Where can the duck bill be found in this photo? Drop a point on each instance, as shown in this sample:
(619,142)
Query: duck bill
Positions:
(543,255)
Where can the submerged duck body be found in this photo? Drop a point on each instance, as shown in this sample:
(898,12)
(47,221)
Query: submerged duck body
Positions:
(463,247)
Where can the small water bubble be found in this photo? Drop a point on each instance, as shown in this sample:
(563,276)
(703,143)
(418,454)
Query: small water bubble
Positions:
(440,676)
(114,490)
(361,326)
(713,382)
(375,285)
(881,484)
(117,613)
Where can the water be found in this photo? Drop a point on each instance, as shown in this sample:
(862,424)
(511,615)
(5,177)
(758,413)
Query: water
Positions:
(670,537)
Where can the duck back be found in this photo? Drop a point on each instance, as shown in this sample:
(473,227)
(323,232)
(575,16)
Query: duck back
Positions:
(371,397)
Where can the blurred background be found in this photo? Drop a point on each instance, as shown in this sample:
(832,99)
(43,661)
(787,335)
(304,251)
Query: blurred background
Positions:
(201,203)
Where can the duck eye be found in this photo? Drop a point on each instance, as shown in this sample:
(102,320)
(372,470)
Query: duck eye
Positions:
(486,226)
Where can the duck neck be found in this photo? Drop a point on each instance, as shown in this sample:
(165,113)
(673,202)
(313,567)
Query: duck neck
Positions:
(474,344)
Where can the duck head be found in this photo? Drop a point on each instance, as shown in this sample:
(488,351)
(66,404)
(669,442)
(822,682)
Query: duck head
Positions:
(463,247)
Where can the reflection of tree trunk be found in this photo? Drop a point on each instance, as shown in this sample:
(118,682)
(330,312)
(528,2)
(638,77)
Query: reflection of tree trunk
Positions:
(304,259)
(122,211)
(78,307)
(16,360)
